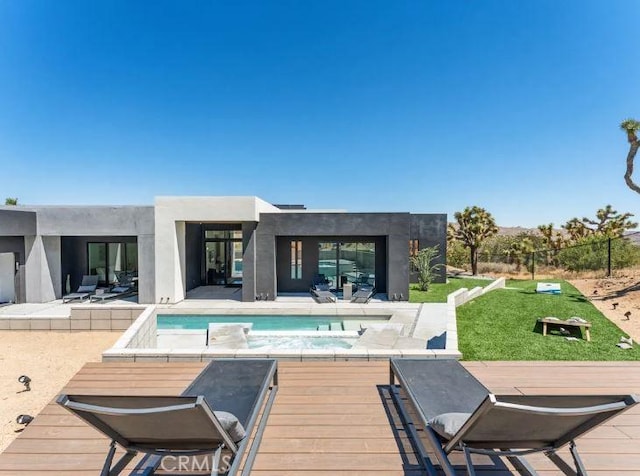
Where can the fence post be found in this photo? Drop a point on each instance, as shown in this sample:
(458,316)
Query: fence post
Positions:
(609,257)
(533,265)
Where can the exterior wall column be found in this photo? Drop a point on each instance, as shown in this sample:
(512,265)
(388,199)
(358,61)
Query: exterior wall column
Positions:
(398,265)
(43,268)
(146,269)
(266,265)
(248,261)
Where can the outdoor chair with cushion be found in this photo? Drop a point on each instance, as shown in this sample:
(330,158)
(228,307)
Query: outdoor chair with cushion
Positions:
(85,290)
(456,412)
(321,290)
(124,288)
(217,414)
(363,294)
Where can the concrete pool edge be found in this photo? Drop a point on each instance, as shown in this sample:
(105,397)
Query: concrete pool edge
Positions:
(138,342)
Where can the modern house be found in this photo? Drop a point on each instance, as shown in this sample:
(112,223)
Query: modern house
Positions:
(182,243)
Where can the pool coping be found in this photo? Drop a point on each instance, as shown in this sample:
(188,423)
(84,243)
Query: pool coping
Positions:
(136,344)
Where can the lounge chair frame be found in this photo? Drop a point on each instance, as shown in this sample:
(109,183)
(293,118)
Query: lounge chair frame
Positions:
(441,448)
(363,295)
(87,280)
(152,460)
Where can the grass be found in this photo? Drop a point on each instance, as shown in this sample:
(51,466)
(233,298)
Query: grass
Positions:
(438,292)
(501,325)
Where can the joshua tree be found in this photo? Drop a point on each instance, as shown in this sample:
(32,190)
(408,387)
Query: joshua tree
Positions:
(631,126)
(552,242)
(608,222)
(518,250)
(474,225)
(11,201)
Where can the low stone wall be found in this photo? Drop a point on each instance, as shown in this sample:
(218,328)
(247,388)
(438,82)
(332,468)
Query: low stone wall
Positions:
(82,318)
(463,295)
(142,334)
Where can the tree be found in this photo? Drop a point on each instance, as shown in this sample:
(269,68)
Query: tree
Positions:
(11,201)
(631,126)
(552,242)
(422,263)
(608,222)
(474,225)
(519,249)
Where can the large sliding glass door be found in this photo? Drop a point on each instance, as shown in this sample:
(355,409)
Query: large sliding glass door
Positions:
(223,257)
(113,262)
(347,262)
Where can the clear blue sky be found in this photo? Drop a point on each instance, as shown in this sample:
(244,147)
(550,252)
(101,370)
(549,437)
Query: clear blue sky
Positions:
(422,106)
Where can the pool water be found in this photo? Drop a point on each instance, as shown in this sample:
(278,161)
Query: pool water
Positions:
(260,323)
(294,342)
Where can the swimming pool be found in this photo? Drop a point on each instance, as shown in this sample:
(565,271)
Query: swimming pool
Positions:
(267,322)
(299,342)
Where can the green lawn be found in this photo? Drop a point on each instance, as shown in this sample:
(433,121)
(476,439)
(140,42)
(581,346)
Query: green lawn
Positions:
(501,325)
(438,292)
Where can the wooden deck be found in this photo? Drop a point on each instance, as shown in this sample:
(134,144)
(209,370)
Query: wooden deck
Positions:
(330,418)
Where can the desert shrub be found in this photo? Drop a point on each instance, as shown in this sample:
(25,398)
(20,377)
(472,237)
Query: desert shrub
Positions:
(422,263)
(591,253)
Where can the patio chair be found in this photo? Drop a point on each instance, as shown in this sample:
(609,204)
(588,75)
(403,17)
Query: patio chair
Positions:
(458,413)
(85,290)
(186,425)
(114,293)
(124,288)
(363,294)
(320,290)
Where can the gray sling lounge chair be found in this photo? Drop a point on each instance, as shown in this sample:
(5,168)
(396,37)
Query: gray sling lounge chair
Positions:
(119,291)
(320,290)
(458,413)
(363,294)
(86,289)
(186,426)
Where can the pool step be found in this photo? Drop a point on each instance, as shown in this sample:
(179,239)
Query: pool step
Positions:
(323,327)
(336,326)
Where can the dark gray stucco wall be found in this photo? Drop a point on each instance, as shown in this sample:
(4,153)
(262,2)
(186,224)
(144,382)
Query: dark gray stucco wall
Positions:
(193,255)
(17,222)
(430,229)
(394,226)
(13,244)
(249,261)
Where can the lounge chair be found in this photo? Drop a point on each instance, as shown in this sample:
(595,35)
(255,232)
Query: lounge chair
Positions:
(85,290)
(321,291)
(458,413)
(363,294)
(124,288)
(184,426)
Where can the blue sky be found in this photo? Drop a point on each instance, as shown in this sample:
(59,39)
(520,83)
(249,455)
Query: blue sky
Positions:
(422,106)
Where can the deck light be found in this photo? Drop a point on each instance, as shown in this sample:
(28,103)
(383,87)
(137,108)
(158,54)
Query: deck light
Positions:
(26,381)
(24,419)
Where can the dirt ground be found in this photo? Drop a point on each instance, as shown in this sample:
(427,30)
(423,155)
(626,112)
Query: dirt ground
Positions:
(615,297)
(50,359)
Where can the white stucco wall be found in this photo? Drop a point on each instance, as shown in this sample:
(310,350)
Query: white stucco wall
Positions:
(171,215)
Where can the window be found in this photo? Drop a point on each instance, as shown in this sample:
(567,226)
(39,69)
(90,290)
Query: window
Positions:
(109,261)
(296,259)
(347,262)
(414,247)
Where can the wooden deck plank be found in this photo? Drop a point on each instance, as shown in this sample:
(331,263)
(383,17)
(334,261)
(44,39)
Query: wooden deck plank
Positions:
(330,418)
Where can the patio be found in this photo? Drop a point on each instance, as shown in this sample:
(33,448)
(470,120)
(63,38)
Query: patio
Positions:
(330,418)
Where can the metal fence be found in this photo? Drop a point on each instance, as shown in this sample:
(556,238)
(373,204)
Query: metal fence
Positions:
(592,257)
